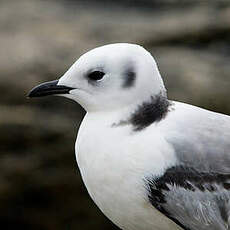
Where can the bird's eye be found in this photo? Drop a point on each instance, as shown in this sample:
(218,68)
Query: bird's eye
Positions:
(96,75)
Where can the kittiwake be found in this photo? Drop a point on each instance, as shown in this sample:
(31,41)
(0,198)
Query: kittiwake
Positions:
(149,163)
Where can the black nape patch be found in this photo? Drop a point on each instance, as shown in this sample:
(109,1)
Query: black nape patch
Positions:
(149,112)
(129,78)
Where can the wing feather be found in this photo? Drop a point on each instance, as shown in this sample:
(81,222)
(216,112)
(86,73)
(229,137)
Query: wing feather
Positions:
(196,192)
(192,199)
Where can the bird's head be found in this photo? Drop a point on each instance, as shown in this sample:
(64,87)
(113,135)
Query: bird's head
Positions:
(108,77)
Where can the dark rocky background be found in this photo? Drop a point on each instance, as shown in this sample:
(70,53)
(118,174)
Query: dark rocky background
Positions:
(40,185)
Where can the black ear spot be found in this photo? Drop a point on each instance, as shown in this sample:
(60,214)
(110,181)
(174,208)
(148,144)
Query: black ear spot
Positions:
(96,75)
(129,78)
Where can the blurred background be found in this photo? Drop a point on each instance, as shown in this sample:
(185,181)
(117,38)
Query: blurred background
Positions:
(40,185)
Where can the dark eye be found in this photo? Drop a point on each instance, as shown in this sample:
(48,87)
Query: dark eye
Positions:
(96,75)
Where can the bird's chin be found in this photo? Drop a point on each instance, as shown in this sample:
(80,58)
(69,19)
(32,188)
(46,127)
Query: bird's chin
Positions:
(79,96)
(69,96)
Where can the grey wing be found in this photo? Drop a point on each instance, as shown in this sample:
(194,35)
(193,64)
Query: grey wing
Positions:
(196,193)
(201,140)
(193,200)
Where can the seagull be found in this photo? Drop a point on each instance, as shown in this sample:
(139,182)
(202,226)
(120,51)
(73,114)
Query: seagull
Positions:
(149,163)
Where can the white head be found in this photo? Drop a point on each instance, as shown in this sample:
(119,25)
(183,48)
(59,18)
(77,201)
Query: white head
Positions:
(109,77)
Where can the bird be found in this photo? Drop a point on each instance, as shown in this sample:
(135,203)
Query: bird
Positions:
(148,162)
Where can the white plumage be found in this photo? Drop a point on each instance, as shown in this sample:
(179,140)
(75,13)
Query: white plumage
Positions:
(147,162)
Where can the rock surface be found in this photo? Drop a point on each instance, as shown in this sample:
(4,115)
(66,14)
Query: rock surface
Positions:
(40,185)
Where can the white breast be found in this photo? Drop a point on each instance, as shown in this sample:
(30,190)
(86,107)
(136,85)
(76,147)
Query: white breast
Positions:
(113,163)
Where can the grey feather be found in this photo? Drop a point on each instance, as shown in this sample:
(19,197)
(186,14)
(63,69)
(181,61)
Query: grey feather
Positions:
(192,199)
(202,141)
(198,210)
(199,200)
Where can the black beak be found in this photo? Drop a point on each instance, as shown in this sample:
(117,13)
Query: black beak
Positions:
(49,88)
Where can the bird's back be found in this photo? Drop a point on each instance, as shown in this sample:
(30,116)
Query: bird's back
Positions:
(200,138)
(195,192)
